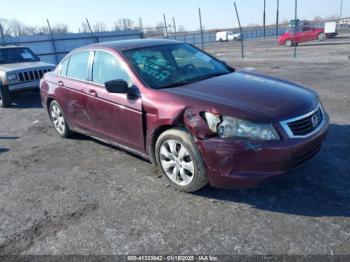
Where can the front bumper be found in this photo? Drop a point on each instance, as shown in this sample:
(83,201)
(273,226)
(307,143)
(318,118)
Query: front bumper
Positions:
(245,164)
(24,86)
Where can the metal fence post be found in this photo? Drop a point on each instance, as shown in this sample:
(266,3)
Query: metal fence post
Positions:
(2,35)
(53,41)
(166,27)
(174,23)
(201,26)
(92,34)
(141,24)
(241,31)
(264,18)
(124,21)
(295,27)
(277,16)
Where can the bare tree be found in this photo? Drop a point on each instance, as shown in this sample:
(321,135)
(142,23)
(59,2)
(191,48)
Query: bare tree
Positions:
(99,27)
(58,29)
(181,29)
(116,27)
(4,24)
(17,28)
(125,23)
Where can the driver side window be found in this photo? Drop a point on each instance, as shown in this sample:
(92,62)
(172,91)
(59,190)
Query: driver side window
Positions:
(106,67)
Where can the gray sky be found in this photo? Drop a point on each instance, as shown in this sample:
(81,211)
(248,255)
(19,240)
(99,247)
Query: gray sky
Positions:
(216,14)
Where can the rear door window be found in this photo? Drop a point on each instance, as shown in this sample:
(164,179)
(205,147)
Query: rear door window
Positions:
(78,66)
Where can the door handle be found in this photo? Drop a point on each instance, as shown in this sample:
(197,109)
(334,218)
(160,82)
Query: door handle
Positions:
(60,83)
(92,93)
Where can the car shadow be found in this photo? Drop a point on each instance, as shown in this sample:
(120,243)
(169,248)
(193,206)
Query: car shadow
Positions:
(325,43)
(3,150)
(81,137)
(321,188)
(9,137)
(26,100)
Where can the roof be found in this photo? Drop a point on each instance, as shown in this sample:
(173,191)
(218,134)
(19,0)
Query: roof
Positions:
(133,44)
(11,46)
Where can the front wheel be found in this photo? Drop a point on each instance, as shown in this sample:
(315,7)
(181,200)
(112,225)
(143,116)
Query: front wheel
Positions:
(58,120)
(180,161)
(5,97)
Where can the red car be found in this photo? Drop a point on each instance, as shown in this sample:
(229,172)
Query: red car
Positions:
(303,34)
(190,114)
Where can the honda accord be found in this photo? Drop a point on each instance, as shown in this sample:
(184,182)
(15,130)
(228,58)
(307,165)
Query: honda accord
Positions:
(193,116)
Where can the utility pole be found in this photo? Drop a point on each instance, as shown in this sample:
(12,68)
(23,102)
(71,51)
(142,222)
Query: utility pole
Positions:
(166,27)
(277,16)
(264,18)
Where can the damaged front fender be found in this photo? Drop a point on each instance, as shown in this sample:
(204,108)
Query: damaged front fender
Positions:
(195,122)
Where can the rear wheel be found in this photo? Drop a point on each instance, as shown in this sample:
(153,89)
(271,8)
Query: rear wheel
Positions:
(180,161)
(5,97)
(321,37)
(58,120)
(289,43)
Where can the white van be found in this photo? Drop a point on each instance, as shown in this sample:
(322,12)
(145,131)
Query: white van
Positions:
(226,36)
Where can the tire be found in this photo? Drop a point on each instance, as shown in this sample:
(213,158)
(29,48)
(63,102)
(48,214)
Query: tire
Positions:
(289,43)
(5,97)
(322,37)
(58,120)
(180,161)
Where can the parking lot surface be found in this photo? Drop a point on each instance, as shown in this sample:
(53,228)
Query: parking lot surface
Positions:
(79,196)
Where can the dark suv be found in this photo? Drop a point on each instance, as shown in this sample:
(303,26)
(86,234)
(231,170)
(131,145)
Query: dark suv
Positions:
(193,116)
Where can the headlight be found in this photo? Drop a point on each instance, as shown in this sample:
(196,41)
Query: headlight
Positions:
(230,127)
(11,77)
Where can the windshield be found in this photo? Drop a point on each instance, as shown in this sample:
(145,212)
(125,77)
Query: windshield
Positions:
(174,65)
(17,55)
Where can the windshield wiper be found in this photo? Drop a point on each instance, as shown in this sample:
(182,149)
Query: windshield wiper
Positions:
(201,78)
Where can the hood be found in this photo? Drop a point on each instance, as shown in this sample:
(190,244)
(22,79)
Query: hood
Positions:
(24,66)
(250,95)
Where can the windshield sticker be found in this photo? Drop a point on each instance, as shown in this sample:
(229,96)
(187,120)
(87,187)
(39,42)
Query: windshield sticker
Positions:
(203,57)
(26,55)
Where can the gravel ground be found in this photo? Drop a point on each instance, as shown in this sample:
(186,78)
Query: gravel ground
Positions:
(79,196)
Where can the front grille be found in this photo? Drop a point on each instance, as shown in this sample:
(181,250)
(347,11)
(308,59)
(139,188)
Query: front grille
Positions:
(307,125)
(302,159)
(32,75)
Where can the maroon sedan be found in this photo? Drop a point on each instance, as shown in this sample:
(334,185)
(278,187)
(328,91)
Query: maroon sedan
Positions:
(190,114)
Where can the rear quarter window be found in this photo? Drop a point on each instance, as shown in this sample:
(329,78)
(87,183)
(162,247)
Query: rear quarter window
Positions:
(63,68)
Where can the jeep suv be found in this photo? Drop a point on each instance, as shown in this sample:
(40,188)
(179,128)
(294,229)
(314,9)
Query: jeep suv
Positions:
(20,70)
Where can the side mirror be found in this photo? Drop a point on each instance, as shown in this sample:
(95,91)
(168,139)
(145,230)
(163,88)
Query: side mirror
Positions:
(117,86)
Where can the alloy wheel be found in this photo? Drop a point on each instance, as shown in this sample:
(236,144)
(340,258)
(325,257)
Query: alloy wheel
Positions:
(176,162)
(58,119)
